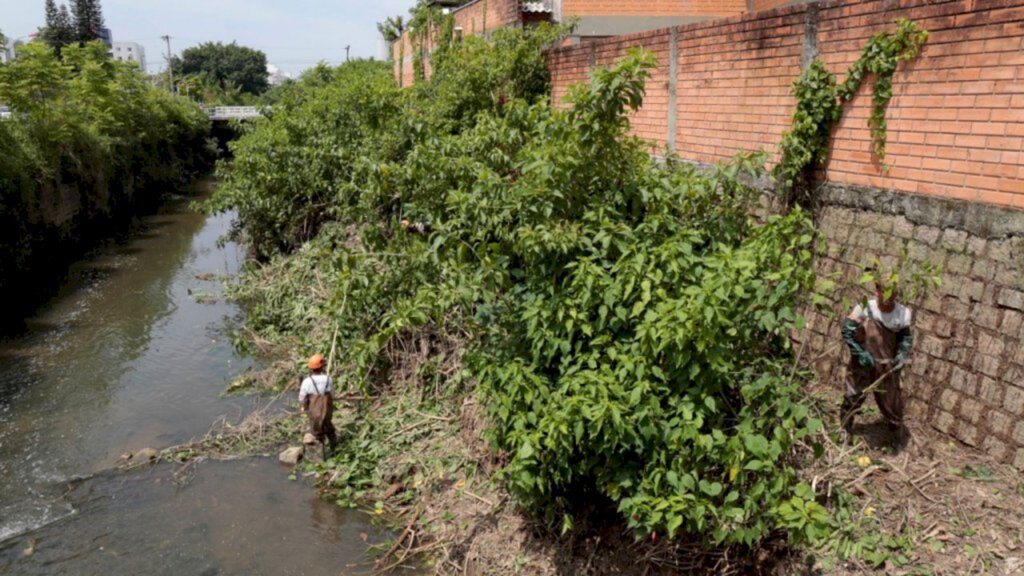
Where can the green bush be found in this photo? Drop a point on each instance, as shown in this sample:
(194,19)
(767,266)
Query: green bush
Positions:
(627,323)
(84,120)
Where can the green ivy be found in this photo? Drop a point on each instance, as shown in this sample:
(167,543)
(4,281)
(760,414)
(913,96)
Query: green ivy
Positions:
(820,101)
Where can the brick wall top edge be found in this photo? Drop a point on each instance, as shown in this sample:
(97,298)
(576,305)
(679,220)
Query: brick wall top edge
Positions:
(707,28)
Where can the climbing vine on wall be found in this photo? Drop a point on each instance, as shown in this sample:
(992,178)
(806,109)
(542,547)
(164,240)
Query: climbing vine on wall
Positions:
(820,101)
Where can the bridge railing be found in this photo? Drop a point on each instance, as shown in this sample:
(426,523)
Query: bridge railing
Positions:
(233,112)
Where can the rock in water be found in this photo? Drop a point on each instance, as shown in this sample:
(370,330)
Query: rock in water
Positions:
(309,439)
(291,456)
(146,454)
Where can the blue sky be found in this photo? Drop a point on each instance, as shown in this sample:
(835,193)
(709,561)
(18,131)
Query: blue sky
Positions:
(295,34)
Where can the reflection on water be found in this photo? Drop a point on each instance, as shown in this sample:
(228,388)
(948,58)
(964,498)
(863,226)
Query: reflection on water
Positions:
(132,353)
(241,517)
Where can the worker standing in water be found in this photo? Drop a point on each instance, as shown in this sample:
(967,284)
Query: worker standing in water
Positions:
(316,400)
(879,337)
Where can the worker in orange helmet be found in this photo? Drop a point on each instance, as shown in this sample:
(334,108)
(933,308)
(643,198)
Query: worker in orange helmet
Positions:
(316,400)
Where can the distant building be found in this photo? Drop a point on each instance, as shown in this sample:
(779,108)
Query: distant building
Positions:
(275,77)
(6,52)
(130,52)
(106,36)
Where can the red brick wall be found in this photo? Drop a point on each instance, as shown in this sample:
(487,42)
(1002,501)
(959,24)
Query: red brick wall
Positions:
(492,13)
(653,7)
(734,84)
(956,121)
(761,5)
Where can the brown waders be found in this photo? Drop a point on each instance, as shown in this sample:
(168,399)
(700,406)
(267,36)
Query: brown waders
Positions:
(884,383)
(321,411)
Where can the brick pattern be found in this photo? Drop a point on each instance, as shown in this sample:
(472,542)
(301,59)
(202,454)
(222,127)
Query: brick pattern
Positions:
(735,78)
(956,126)
(967,372)
(653,7)
(493,14)
(762,5)
(649,122)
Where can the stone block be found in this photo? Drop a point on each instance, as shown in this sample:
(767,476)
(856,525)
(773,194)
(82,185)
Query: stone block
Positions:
(963,381)
(967,433)
(933,346)
(877,242)
(1007,277)
(954,240)
(1009,298)
(971,291)
(987,365)
(863,219)
(976,246)
(1018,461)
(943,328)
(983,270)
(1001,251)
(1018,434)
(928,235)
(959,264)
(971,409)
(955,309)
(902,228)
(917,251)
(919,364)
(948,400)
(1011,324)
(991,391)
(1000,424)
(938,371)
(995,448)
(990,344)
(945,422)
(1013,402)
(986,317)
(882,224)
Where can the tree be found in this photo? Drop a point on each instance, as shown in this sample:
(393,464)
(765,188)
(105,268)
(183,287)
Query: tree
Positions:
(59,30)
(229,65)
(88,19)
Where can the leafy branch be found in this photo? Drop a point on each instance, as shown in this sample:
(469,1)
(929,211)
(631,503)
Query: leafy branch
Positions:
(821,101)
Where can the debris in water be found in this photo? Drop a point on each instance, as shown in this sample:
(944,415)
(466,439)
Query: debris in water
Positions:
(29,550)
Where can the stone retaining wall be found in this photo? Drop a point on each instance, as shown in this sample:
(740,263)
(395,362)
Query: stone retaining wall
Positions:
(967,372)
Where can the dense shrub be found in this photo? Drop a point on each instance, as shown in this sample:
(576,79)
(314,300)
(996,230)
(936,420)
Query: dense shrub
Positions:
(626,322)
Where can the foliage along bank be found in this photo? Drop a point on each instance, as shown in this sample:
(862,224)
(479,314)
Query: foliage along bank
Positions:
(623,323)
(89,142)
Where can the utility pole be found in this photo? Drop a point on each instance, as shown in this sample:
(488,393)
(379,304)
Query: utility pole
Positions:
(346,52)
(170,68)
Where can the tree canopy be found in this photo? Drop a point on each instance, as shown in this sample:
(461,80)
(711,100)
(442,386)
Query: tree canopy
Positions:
(88,19)
(229,65)
(59,30)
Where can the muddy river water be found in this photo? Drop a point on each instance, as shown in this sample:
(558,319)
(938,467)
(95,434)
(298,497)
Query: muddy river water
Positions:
(134,352)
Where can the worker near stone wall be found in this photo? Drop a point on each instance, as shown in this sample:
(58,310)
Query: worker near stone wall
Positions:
(879,337)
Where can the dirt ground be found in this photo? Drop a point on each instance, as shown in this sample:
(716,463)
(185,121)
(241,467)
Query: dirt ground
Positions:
(948,509)
(937,508)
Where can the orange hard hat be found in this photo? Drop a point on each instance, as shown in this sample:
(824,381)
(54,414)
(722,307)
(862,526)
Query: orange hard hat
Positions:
(316,362)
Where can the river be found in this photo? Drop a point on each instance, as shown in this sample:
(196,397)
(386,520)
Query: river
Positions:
(134,352)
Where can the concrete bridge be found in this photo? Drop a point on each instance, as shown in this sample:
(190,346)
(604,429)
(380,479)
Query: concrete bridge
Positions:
(223,113)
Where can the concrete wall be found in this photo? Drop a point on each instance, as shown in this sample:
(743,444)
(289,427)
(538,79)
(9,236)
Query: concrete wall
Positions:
(952,193)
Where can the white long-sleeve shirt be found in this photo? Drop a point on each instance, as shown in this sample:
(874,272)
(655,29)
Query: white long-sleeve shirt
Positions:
(315,384)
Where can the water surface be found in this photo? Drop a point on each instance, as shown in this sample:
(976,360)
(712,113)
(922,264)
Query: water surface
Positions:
(133,352)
